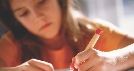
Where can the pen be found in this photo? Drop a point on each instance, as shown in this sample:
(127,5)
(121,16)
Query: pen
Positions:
(94,39)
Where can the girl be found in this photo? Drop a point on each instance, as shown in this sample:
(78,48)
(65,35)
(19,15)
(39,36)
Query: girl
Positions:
(44,35)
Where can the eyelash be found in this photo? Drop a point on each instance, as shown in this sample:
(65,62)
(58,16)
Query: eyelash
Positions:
(42,1)
(23,14)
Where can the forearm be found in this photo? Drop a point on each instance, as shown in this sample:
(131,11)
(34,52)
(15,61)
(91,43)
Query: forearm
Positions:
(125,57)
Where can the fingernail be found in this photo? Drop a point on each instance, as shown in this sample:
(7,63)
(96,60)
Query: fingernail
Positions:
(76,67)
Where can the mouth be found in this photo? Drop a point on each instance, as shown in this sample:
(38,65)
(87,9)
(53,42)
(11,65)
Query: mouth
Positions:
(45,26)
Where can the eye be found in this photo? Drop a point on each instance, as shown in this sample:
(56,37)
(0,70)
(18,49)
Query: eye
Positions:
(24,14)
(42,1)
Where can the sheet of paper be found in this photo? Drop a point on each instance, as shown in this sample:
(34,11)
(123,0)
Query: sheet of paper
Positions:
(68,69)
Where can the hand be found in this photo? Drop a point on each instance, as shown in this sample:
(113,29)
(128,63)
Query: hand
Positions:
(95,60)
(32,65)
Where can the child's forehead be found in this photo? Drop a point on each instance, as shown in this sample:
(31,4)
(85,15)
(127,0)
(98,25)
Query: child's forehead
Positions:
(22,2)
(15,4)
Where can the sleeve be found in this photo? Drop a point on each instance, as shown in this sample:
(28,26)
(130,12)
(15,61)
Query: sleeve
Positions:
(8,50)
(111,36)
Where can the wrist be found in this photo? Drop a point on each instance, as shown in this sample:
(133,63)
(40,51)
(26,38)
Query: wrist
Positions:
(126,62)
(120,59)
(125,57)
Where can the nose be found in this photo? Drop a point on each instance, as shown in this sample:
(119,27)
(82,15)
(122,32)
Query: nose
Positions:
(37,15)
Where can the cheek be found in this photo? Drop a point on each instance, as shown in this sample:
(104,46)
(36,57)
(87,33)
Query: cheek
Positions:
(54,10)
(56,15)
(29,26)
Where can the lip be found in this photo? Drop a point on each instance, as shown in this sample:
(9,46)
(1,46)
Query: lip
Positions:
(45,26)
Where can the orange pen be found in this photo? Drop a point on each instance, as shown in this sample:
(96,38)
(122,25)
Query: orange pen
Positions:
(94,39)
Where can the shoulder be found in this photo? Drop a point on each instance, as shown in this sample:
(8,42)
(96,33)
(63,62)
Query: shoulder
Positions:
(7,40)
(102,24)
(106,26)
(109,29)
(111,37)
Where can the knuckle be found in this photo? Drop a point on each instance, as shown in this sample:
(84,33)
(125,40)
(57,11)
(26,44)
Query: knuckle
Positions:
(31,60)
(98,58)
(78,57)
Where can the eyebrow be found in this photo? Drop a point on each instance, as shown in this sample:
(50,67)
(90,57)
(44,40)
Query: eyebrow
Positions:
(17,9)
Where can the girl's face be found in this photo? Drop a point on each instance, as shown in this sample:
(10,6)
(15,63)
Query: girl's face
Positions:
(40,17)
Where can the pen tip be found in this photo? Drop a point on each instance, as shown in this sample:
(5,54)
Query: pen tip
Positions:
(99,31)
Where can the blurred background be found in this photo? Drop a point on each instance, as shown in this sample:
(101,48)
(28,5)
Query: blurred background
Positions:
(118,12)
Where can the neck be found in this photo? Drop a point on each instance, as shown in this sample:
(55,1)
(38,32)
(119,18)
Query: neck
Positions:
(55,43)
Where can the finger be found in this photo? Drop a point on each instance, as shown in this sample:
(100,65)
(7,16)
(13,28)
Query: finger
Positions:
(72,64)
(88,64)
(32,68)
(83,56)
(41,64)
(27,67)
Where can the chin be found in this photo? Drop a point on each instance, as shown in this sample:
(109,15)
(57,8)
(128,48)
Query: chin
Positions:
(50,36)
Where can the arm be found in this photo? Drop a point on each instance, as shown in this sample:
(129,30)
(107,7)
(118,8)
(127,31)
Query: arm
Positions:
(127,44)
(94,60)
(126,41)
(126,55)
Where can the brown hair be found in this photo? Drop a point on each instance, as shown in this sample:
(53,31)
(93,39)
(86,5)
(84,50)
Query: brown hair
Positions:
(30,44)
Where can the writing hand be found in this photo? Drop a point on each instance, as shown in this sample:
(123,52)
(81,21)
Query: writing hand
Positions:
(95,60)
